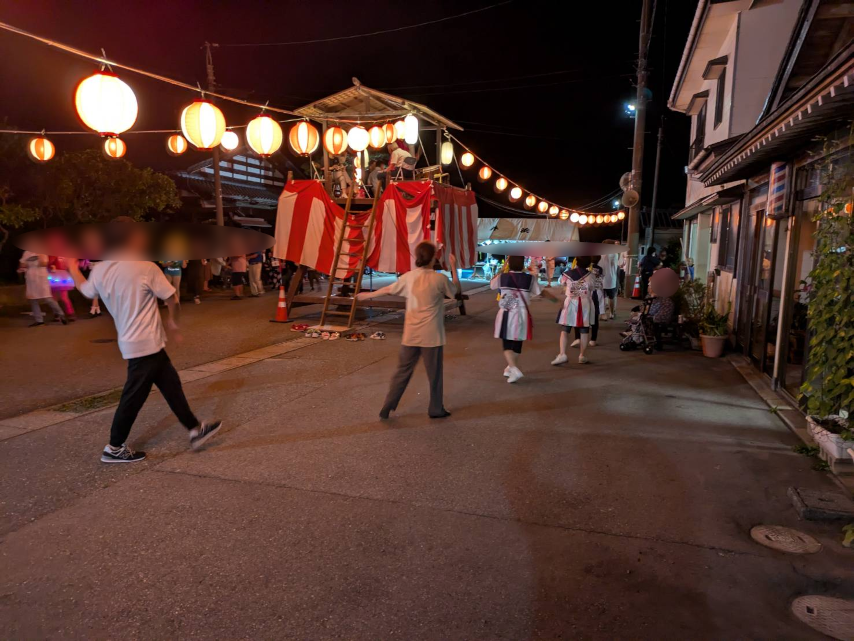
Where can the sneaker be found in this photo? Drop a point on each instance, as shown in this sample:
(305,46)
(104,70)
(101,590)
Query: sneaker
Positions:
(507,371)
(378,336)
(197,300)
(583,360)
(38,324)
(122,455)
(592,343)
(515,375)
(204,433)
(560,360)
(575,343)
(237,298)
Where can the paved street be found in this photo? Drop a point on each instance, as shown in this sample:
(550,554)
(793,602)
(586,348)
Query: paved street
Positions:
(608,501)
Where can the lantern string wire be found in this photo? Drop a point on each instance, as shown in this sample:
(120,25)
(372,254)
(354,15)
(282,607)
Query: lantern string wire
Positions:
(369,34)
(42,132)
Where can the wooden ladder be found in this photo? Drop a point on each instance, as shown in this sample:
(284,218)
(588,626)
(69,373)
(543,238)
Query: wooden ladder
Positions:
(353,206)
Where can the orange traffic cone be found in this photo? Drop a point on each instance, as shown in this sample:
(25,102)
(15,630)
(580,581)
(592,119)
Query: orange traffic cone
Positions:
(282,308)
(636,293)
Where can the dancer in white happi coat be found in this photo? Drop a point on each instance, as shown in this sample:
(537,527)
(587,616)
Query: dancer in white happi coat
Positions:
(578,308)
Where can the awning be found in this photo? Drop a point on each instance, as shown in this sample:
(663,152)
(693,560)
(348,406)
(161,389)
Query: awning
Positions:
(722,197)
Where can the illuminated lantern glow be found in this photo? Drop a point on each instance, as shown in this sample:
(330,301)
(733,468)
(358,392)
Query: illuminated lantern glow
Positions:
(600,219)
(390,132)
(176,144)
(335,140)
(582,219)
(40,149)
(613,218)
(500,184)
(573,217)
(564,214)
(543,207)
(230,141)
(530,201)
(554,210)
(357,139)
(114,148)
(376,137)
(410,124)
(621,215)
(106,104)
(515,194)
(447,152)
(484,174)
(400,129)
(202,124)
(303,138)
(467,159)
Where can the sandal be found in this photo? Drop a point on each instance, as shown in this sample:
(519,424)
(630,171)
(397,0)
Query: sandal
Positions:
(334,336)
(378,336)
(299,328)
(353,338)
(325,336)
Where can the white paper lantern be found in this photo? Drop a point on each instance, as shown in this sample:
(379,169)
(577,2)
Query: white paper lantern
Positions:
(543,207)
(411,129)
(447,152)
(203,124)
(400,129)
(106,104)
(467,159)
(376,137)
(264,135)
(554,210)
(582,219)
(230,141)
(357,139)
(573,217)
(515,194)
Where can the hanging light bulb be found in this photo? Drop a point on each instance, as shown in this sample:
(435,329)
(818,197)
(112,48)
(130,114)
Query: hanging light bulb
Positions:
(554,210)
(500,184)
(176,144)
(40,149)
(230,141)
(335,140)
(106,104)
(467,159)
(376,137)
(582,219)
(114,147)
(484,174)
(390,132)
(600,219)
(411,129)
(573,217)
(203,124)
(621,215)
(530,201)
(400,129)
(515,194)
(564,214)
(543,207)
(447,152)
(303,138)
(357,138)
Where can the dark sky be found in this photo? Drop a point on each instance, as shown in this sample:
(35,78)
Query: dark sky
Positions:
(539,86)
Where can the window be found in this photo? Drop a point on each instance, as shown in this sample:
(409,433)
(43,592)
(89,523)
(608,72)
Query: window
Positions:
(728,238)
(700,126)
(719,98)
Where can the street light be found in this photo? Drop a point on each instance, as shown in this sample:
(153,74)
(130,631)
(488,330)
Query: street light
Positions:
(616,203)
(631,109)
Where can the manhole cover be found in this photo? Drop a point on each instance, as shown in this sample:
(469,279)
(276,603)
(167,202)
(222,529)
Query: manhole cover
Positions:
(833,617)
(785,539)
(103,340)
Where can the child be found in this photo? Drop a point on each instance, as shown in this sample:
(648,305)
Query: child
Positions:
(578,308)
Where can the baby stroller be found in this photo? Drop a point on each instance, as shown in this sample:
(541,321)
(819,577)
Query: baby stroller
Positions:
(641,330)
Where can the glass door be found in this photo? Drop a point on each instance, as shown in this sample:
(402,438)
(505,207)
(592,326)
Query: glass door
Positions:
(764,271)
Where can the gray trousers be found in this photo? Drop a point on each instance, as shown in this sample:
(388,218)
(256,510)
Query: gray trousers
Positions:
(406,365)
(37,308)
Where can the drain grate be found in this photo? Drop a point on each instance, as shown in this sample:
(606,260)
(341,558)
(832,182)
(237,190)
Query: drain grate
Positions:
(833,617)
(785,539)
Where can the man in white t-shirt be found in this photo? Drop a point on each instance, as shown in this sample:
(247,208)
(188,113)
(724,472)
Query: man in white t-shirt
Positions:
(610,273)
(130,290)
(423,326)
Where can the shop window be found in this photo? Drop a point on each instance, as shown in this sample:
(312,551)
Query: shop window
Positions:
(728,238)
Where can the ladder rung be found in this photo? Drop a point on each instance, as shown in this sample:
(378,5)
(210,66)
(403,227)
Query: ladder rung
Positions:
(337,313)
(350,254)
(355,225)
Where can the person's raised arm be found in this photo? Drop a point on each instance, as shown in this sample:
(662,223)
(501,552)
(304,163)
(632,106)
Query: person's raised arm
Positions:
(80,282)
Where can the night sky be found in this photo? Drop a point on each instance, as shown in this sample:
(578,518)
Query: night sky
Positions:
(539,87)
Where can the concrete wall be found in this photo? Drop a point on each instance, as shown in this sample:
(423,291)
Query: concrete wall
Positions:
(722,132)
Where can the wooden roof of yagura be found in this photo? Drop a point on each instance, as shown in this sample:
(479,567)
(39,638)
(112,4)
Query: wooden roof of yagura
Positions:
(361,102)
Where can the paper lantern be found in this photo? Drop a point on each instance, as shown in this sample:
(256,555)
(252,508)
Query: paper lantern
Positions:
(484,174)
(447,152)
(530,201)
(515,194)
(376,137)
(390,132)
(303,138)
(582,219)
(410,124)
(202,124)
(357,138)
(400,129)
(40,149)
(573,217)
(467,159)
(543,207)
(621,215)
(613,218)
(106,104)
(600,219)
(176,144)
(564,214)
(500,184)
(114,148)
(554,210)
(230,141)
(335,140)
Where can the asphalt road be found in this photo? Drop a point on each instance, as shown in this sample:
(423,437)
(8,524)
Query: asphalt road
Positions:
(606,501)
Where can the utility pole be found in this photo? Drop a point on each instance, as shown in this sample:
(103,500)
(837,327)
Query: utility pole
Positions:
(637,148)
(220,218)
(655,182)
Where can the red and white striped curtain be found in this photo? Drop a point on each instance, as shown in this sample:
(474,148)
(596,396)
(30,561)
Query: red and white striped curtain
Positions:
(456,224)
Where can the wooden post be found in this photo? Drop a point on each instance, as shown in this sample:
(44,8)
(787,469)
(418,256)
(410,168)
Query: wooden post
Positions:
(296,279)
(327,176)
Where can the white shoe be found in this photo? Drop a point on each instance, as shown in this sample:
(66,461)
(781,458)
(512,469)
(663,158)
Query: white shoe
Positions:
(560,360)
(507,371)
(583,360)
(575,343)
(592,343)
(515,375)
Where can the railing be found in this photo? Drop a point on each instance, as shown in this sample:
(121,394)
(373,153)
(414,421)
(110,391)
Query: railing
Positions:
(696,147)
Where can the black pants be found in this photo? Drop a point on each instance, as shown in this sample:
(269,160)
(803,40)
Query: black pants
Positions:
(406,365)
(594,332)
(143,372)
(512,346)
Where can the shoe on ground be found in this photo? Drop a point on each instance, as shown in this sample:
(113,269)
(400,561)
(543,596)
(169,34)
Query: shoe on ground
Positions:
(202,434)
(40,324)
(197,300)
(575,343)
(237,298)
(378,336)
(583,360)
(444,414)
(507,371)
(334,336)
(515,375)
(592,343)
(560,360)
(121,455)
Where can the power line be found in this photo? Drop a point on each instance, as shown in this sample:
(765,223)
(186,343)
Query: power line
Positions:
(547,84)
(480,82)
(369,34)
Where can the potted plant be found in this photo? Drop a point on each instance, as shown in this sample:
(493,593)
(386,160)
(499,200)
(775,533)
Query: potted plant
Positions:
(713,331)
(832,433)
(690,303)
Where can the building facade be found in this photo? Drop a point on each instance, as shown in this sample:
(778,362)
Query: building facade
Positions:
(766,85)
